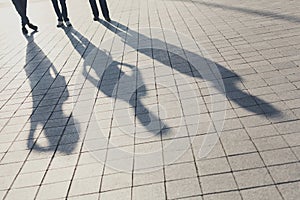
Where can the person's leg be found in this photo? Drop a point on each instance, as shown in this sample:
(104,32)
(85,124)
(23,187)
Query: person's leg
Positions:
(94,9)
(104,9)
(26,20)
(64,10)
(21,9)
(24,8)
(57,10)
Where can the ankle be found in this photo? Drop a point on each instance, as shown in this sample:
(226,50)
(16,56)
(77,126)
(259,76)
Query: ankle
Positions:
(60,24)
(68,23)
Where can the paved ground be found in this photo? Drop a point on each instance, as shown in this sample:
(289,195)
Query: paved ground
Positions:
(175,99)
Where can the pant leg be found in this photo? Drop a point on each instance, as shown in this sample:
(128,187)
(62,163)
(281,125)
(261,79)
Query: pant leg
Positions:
(24,8)
(94,8)
(104,8)
(21,6)
(25,20)
(57,10)
(64,10)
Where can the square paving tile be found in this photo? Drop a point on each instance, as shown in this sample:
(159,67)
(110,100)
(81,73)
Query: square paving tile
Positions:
(239,147)
(285,173)
(177,156)
(30,179)
(85,186)
(155,175)
(53,191)
(292,139)
(58,175)
(5,182)
(149,192)
(290,190)
(253,178)
(245,161)
(116,181)
(270,143)
(10,169)
(86,171)
(262,131)
(279,156)
(180,171)
(183,188)
(25,193)
(218,183)
(35,165)
(213,166)
(262,193)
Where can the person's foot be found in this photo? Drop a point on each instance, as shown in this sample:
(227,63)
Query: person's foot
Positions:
(33,27)
(24,30)
(108,19)
(60,24)
(96,18)
(68,23)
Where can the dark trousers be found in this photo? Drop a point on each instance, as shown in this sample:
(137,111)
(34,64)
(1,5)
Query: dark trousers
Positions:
(63,14)
(21,6)
(103,6)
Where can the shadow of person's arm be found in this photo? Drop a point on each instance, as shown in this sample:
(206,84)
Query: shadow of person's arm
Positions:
(149,120)
(241,97)
(93,80)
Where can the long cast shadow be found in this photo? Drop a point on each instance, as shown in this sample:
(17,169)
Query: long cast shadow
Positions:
(262,13)
(110,71)
(180,64)
(49,92)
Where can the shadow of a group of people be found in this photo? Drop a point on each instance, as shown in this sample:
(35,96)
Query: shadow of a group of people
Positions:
(43,77)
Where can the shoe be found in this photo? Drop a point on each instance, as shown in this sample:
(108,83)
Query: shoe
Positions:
(60,24)
(33,27)
(68,23)
(96,19)
(24,30)
(108,19)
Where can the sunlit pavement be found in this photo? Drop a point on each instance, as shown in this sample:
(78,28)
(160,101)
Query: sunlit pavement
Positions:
(174,99)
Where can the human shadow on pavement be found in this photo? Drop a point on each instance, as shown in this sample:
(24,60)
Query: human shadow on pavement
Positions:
(111,79)
(48,122)
(182,65)
(262,13)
